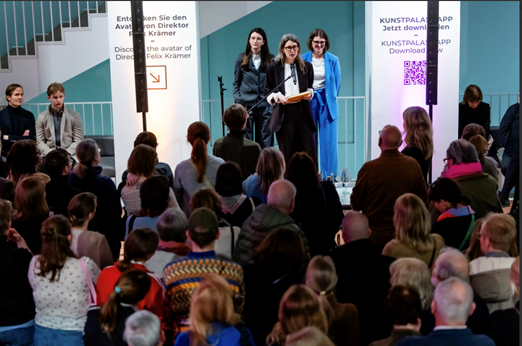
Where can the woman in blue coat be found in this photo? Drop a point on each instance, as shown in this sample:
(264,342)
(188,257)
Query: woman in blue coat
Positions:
(327,82)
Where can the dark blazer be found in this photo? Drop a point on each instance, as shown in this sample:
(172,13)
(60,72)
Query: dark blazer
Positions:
(58,195)
(249,82)
(480,115)
(509,130)
(419,157)
(7,190)
(504,326)
(452,337)
(275,74)
(24,120)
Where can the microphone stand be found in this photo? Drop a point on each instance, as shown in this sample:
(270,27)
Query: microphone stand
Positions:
(264,98)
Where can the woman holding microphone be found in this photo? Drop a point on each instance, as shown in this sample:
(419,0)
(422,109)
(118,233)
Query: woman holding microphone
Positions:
(327,82)
(291,120)
(249,85)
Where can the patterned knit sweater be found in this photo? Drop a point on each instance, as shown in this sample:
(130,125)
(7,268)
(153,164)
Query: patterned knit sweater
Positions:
(183,275)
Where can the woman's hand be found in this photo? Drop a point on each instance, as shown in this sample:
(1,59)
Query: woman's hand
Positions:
(14,236)
(308,97)
(132,179)
(282,98)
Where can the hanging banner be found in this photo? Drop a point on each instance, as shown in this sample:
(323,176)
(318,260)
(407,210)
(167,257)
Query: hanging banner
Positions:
(396,41)
(173,75)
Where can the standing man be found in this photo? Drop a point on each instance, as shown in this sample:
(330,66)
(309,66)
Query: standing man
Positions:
(58,126)
(16,123)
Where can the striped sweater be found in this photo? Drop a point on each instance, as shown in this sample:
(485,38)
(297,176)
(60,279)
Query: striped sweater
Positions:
(183,275)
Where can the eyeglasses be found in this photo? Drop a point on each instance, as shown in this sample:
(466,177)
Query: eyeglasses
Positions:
(291,48)
(446,160)
(319,43)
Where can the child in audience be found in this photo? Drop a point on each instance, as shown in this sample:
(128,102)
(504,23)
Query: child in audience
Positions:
(85,243)
(212,317)
(270,167)
(60,284)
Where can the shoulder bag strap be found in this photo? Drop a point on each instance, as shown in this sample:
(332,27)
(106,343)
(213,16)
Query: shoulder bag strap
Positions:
(92,290)
(252,202)
(470,229)
(207,182)
(433,253)
(232,239)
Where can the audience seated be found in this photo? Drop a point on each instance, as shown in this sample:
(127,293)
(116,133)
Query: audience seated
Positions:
(138,248)
(265,218)
(22,162)
(403,307)
(452,305)
(86,177)
(270,167)
(504,325)
(141,164)
(58,193)
(362,270)
(212,317)
(171,226)
(343,327)
(308,336)
(412,232)
(182,276)
(300,307)
(58,126)
(16,123)
(455,223)
(475,134)
(318,210)
(375,193)
(105,325)
(143,328)
(197,172)
(16,296)
(228,234)
(418,138)
(234,146)
(60,284)
(489,274)
(279,262)
(31,211)
(452,263)
(94,245)
(162,168)
(236,206)
(474,251)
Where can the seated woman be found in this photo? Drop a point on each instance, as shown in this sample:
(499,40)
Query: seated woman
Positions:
(228,234)
(317,208)
(60,284)
(236,206)
(344,325)
(270,167)
(455,224)
(31,211)
(279,262)
(412,232)
(197,172)
(94,245)
(473,111)
(300,307)
(474,133)
(105,325)
(212,317)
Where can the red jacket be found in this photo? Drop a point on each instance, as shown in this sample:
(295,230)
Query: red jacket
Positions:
(153,301)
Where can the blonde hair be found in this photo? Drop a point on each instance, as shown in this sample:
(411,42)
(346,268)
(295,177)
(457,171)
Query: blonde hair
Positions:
(270,167)
(321,275)
(500,229)
(412,223)
(211,302)
(413,272)
(419,132)
(309,336)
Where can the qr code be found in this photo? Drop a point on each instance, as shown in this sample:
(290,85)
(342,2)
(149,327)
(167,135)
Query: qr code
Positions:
(415,72)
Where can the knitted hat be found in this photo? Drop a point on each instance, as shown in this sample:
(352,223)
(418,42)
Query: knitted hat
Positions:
(203,218)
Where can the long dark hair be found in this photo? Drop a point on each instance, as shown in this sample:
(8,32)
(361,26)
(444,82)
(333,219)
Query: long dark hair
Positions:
(302,172)
(265,52)
(198,135)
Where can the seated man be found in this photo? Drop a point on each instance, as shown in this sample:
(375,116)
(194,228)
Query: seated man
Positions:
(265,218)
(15,122)
(234,147)
(143,328)
(452,305)
(490,273)
(183,275)
(58,126)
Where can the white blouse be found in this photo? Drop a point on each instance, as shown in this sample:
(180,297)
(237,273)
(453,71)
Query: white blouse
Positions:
(63,303)
(256,59)
(290,87)
(319,74)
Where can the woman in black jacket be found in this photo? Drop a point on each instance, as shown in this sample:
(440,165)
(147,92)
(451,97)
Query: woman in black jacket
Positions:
(249,86)
(473,110)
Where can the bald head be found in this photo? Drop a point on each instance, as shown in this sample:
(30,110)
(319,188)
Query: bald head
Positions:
(281,195)
(450,263)
(390,138)
(355,226)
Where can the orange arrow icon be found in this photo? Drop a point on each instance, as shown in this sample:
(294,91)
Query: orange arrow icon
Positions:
(156,80)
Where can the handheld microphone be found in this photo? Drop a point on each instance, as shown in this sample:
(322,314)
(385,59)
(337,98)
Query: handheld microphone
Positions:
(292,69)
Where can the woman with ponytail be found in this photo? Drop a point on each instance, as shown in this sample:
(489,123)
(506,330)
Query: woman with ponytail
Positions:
(106,324)
(138,249)
(321,277)
(60,283)
(87,176)
(197,172)
(94,245)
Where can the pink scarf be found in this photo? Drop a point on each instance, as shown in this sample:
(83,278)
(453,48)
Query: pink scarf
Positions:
(462,169)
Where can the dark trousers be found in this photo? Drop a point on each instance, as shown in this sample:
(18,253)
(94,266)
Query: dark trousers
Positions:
(510,168)
(259,123)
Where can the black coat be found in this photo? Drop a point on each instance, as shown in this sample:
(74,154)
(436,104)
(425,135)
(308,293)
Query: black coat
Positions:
(509,131)
(23,120)
(58,194)
(424,164)
(29,229)
(480,115)
(249,83)
(94,336)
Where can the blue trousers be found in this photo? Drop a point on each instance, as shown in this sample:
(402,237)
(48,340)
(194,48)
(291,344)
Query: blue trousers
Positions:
(56,337)
(327,133)
(17,337)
